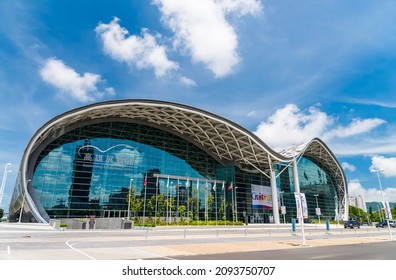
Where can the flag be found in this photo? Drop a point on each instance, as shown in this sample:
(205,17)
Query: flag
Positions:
(230,187)
(145,181)
(206,185)
(222,187)
(177,185)
(187,183)
(197,184)
(214,186)
(167,184)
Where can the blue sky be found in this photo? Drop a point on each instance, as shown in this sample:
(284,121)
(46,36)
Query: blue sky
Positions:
(286,70)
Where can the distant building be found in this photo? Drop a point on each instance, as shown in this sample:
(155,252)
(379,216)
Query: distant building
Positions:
(358,201)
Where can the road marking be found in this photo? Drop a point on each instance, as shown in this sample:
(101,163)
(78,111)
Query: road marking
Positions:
(155,255)
(81,252)
(9,250)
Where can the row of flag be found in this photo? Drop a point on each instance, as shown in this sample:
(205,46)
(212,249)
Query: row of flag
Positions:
(188,184)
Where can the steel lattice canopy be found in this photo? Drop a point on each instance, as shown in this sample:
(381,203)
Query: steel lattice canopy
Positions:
(224,140)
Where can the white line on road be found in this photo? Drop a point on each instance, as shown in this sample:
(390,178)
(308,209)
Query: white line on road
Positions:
(81,252)
(155,255)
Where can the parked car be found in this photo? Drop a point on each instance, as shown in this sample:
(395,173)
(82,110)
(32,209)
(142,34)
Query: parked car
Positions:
(381,224)
(385,224)
(352,224)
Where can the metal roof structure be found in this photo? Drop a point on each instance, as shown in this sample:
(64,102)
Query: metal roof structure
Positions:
(224,140)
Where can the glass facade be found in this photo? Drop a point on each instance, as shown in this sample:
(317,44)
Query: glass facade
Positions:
(92,169)
(318,185)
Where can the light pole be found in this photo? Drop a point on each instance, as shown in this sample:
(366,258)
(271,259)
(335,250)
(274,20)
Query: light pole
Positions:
(317,206)
(337,210)
(3,182)
(129,199)
(382,195)
(379,212)
(283,209)
(23,201)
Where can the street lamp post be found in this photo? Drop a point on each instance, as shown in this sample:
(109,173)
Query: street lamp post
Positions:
(23,201)
(382,195)
(317,206)
(283,206)
(129,199)
(3,182)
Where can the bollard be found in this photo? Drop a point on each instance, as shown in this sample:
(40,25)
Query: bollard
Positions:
(327,226)
(293,226)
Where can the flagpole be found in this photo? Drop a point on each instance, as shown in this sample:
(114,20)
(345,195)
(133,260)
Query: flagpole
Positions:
(177,209)
(224,207)
(145,192)
(232,201)
(156,202)
(206,202)
(188,198)
(197,202)
(167,201)
(215,190)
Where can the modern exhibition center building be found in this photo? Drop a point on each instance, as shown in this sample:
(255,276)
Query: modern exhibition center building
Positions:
(159,160)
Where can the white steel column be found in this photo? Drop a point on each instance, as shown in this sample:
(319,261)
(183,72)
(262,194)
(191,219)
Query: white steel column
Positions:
(295,176)
(274,192)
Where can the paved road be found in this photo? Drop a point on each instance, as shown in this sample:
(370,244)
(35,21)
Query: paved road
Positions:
(370,251)
(41,242)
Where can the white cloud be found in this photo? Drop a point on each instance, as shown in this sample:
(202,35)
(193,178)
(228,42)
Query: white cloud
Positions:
(387,165)
(355,188)
(347,166)
(82,88)
(201,28)
(356,127)
(142,52)
(187,82)
(290,126)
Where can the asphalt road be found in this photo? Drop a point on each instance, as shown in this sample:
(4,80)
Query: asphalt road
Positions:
(373,251)
(41,242)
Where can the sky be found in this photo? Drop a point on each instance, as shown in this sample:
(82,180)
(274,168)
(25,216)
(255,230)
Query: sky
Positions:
(286,70)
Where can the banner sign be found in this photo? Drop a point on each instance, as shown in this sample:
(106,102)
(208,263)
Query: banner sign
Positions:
(261,197)
(387,209)
(301,205)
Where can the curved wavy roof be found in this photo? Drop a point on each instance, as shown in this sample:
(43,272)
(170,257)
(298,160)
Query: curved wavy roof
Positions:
(224,140)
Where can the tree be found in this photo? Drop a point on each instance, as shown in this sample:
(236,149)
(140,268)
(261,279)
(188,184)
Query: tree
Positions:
(135,202)
(181,210)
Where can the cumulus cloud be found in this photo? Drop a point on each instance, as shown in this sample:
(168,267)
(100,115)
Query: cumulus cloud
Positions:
(348,166)
(202,30)
(290,126)
(386,165)
(355,188)
(82,88)
(141,51)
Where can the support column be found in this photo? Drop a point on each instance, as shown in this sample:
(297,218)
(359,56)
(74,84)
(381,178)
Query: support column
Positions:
(295,176)
(274,192)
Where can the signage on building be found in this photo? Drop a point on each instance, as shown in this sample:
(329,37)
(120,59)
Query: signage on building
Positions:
(261,197)
(116,157)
